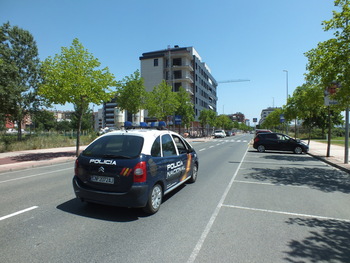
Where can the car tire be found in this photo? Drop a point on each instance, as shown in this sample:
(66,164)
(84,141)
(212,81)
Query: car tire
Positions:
(194,174)
(155,198)
(298,150)
(261,148)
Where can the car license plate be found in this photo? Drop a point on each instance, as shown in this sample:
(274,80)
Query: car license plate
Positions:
(102,179)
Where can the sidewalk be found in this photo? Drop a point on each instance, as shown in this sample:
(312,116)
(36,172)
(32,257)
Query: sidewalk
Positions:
(336,158)
(12,161)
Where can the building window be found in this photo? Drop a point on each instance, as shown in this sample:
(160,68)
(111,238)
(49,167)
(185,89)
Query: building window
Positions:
(177,74)
(155,62)
(177,62)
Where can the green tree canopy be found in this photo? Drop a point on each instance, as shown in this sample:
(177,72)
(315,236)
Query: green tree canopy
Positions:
(161,102)
(43,120)
(207,117)
(273,119)
(132,94)
(224,122)
(74,77)
(19,74)
(185,109)
(329,61)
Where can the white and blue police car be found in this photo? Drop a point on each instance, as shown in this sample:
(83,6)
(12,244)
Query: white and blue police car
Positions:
(134,168)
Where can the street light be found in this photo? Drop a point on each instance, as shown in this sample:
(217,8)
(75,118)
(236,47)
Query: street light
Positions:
(286,82)
(287,95)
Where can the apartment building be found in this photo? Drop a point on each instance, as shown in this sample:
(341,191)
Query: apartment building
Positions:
(112,117)
(181,67)
(265,113)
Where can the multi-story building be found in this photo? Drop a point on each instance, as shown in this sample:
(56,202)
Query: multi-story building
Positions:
(113,117)
(181,67)
(108,114)
(265,113)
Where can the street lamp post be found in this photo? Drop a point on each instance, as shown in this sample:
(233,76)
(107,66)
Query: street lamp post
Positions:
(287,96)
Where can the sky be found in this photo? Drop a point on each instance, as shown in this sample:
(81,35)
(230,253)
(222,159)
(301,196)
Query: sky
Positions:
(257,40)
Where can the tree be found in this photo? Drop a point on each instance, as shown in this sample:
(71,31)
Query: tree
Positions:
(185,109)
(86,119)
(132,94)
(74,77)
(19,74)
(330,60)
(224,122)
(207,117)
(161,102)
(273,119)
(43,120)
(306,104)
(63,125)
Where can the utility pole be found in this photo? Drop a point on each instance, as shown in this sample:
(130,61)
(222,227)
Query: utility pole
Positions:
(287,97)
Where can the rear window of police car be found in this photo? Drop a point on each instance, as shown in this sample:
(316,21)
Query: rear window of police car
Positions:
(117,146)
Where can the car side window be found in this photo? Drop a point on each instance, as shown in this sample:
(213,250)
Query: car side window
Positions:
(155,150)
(180,144)
(168,147)
(271,136)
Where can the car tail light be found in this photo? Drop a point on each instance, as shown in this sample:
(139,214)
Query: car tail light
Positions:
(256,139)
(76,167)
(140,172)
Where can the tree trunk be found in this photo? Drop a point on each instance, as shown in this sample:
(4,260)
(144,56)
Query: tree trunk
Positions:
(78,134)
(19,132)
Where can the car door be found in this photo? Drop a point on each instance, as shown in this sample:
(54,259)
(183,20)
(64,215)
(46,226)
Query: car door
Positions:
(185,156)
(174,163)
(287,143)
(271,141)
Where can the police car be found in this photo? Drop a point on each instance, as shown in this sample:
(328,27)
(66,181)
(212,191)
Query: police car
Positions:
(134,168)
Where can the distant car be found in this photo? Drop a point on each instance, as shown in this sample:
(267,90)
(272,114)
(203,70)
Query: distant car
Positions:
(279,142)
(219,134)
(134,168)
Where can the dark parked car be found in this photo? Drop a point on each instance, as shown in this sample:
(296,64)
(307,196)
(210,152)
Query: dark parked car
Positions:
(278,142)
(134,168)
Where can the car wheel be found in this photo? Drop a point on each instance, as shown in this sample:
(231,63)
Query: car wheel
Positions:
(194,174)
(261,148)
(298,150)
(154,200)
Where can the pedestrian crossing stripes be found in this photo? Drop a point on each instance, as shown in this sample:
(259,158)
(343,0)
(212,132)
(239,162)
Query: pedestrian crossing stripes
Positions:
(232,140)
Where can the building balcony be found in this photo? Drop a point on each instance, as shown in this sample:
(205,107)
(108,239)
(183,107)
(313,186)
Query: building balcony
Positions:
(183,67)
(183,78)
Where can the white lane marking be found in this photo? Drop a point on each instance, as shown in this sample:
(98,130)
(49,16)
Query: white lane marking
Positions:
(29,176)
(33,168)
(277,184)
(286,213)
(202,149)
(19,212)
(206,231)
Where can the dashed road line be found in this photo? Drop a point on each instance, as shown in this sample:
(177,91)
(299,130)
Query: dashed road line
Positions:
(34,175)
(208,227)
(286,213)
(271,184)
(19,212)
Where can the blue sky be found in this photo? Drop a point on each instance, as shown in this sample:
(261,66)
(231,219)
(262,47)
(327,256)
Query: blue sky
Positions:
(237,39)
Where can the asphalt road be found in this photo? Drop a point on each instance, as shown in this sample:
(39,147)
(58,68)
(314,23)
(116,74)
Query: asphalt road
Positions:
(244,207)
